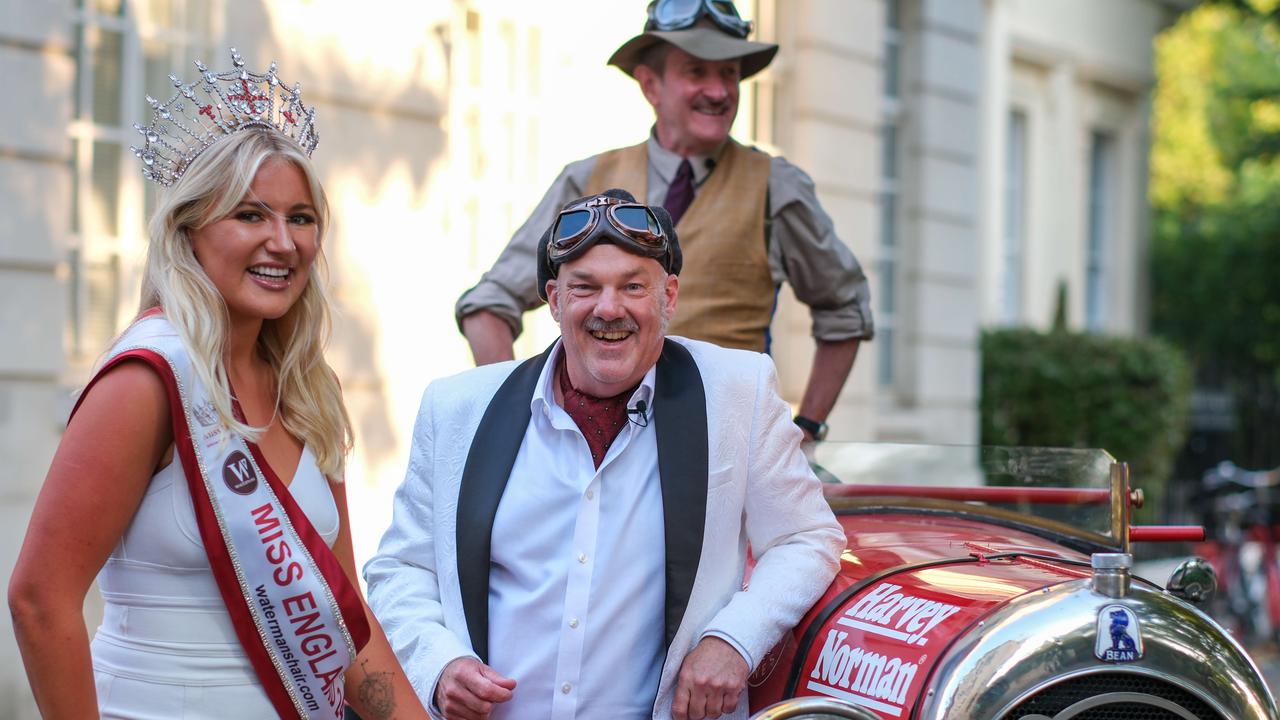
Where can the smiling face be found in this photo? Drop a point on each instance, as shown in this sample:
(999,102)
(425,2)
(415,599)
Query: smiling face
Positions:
(259,256)
(613,308)
(694,101)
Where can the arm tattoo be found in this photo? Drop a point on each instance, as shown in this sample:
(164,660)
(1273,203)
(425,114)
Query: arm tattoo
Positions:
(377,699)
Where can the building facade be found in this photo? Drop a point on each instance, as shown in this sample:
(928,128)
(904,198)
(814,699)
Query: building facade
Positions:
(973,153)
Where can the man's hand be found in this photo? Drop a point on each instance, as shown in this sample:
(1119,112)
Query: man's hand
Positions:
(710,682)
(468,689)
(489,336)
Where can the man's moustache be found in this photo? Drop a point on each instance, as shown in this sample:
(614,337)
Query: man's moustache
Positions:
(711,106)
(605,326)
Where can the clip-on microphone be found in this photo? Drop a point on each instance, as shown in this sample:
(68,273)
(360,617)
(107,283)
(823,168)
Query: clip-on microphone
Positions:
(641,410)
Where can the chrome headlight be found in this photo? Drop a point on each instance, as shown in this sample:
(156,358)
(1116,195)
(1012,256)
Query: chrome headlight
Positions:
(812,708)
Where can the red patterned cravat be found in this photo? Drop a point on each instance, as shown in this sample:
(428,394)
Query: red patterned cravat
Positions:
(599,419)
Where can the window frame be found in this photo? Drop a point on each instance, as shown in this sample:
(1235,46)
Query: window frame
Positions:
(1013,240)
(1099,229)
(100,247)
(889,199)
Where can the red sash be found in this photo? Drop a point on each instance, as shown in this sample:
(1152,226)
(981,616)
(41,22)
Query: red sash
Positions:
(297,616)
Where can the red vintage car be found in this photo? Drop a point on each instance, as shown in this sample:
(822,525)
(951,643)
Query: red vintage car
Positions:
(996,584)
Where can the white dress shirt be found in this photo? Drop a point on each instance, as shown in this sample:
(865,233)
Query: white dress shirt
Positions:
(577,588)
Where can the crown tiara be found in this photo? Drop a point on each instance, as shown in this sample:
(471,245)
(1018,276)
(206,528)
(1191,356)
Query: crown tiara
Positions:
(218,104)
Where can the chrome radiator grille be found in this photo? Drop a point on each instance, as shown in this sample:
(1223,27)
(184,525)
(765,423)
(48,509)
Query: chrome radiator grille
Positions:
(1113,696)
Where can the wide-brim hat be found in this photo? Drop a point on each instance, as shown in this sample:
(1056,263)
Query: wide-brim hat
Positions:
(703,41)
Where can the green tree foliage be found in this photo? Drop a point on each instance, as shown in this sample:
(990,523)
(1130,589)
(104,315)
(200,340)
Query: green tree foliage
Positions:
(1073,389)
(1215,188)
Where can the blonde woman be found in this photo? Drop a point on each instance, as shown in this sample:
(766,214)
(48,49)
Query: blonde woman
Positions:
(200,474)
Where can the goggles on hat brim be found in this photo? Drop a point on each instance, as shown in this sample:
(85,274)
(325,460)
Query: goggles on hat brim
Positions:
(667,15)
(630,224)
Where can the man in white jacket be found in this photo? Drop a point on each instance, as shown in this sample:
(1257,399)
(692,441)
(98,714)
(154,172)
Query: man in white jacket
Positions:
(570,540)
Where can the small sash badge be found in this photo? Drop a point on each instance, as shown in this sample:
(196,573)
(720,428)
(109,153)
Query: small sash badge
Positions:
(1119,638)
(238,474)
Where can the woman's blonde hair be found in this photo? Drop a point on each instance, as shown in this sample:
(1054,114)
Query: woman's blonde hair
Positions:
(309,398)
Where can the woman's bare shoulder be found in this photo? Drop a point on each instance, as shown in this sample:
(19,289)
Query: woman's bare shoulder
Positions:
(127,399)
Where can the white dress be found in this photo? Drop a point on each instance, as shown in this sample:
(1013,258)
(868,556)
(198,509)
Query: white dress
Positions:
(166,647)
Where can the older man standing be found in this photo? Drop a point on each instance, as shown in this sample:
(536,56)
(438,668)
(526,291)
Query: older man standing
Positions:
(571,538)
(749,221)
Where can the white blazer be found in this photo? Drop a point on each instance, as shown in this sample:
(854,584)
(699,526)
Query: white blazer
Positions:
(755,488)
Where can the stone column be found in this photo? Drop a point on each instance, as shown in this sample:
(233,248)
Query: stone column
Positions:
(35,197)
(938,390)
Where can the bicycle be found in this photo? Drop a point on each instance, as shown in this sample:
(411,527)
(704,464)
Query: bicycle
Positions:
(1242,519)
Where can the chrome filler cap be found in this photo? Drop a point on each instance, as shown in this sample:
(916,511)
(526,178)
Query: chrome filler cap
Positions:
(1111,573)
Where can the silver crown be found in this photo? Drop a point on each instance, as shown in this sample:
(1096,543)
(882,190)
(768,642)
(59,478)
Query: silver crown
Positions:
(216,105)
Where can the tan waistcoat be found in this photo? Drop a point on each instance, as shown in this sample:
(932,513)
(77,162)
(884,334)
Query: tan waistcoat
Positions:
(726,289)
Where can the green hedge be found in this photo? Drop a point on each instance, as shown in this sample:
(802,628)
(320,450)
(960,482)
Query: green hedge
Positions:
(1065,389)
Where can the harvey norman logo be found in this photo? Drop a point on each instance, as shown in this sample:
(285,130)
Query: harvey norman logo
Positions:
(891,613)
(860,676)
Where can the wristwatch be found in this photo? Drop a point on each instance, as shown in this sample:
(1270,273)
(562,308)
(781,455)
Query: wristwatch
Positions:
(817,429)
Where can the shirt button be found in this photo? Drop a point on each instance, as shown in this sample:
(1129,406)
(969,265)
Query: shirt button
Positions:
(582,557)
(573,622)
(591,494)
(565,688)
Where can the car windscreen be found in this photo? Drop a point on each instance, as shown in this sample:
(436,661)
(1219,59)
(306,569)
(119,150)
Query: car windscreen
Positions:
(1067,489)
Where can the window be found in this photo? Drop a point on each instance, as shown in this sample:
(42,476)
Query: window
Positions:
(892,49)
(890,196)
(1101,210)
(494,122)
(123,51)
(1015,199)
(758,107)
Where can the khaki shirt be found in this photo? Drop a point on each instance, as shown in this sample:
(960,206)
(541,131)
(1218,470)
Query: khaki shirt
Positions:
(803,249)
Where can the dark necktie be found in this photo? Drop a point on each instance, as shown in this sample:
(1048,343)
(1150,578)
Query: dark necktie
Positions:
(680,194)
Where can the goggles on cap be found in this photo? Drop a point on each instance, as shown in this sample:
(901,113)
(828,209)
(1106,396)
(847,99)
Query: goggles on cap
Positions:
(667,15)
(628,223)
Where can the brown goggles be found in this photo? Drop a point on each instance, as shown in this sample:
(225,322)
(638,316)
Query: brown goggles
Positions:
(628,223)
